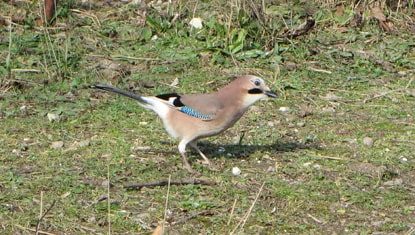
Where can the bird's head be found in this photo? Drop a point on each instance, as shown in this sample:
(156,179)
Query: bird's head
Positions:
(253,88)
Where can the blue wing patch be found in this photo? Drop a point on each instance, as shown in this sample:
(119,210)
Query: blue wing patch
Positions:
(194,113)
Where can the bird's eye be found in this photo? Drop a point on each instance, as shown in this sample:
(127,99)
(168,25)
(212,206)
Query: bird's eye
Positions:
(257,82)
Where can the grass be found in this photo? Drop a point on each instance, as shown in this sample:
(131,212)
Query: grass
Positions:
(317,174)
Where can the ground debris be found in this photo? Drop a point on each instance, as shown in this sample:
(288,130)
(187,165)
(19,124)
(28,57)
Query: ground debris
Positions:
(138,186)
(57,145)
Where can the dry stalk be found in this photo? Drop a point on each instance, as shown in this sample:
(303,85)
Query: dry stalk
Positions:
(248,213)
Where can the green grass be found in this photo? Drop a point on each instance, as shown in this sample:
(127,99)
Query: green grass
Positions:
(319,176)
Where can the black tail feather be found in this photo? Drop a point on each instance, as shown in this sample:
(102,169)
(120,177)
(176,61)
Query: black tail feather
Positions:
(119,91)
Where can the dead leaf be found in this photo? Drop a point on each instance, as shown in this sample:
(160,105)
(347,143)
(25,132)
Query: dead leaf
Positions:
(339,9)
(386,26)
(377,13)
(175,82)
(357,20)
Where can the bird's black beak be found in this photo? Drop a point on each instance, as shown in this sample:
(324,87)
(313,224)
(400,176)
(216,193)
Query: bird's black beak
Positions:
(270,94)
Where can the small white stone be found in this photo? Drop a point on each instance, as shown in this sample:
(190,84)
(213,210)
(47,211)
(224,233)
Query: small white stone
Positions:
(236,171)
(317,166)
(328,110)
(368,141)
(403,159)
(53,117)
(84,143)
(23,108)
(105,183)
(196,23)
(143,123)
(284,109)
(307,164)
(300,124)
(271,169)
(57,144)
(402,73)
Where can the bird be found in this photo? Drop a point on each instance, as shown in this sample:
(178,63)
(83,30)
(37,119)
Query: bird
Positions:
(191,117)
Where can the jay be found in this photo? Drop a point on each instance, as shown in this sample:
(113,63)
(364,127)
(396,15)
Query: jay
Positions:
(195,116)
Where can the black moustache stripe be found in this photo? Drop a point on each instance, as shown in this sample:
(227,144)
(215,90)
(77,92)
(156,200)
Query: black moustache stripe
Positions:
(255,91)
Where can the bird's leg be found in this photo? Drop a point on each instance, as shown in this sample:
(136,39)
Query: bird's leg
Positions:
(194,146)
(182,150)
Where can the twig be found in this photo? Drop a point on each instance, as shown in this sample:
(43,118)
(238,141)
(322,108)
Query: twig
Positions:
(44,214)
(40,211)
(108,193)
(26,70)
(124,57)
(319,70)
(167,203)
(193,215)
(329,157)
(381,95)
(138,186)
(34,230)
(315,219)
(232,210)
(245,218)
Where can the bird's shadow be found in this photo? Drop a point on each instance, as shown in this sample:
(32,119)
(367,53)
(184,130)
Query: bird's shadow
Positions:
(213,150)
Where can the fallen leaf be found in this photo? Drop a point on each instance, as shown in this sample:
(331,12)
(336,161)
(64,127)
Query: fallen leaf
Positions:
(175,82)
(339,10)
(378,13)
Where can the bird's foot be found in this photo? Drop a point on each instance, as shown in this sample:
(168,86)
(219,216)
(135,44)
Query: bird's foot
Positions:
(189,169)
(206,162)
(209,165)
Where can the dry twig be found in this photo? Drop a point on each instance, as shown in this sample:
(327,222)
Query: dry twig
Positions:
(245,218)
(193,215)
(138,186)
(43,216)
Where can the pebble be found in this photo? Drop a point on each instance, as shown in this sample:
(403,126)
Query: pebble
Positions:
(83,143)
(317,166)
(105,183)
(271,169)
(23,108)
(284,109)
(236,171)
(196,23)
(328,110)
(300,124)
(368,141)
(53,117)
(403,159)
(57,144)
